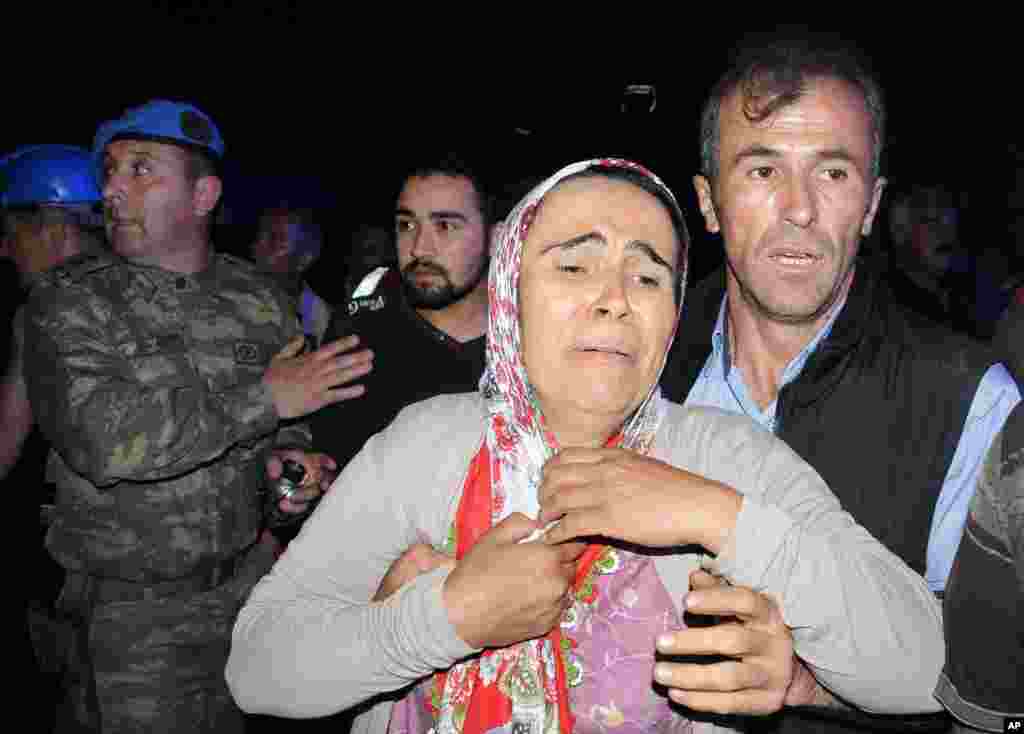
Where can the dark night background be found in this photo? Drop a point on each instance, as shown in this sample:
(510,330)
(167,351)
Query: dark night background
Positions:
(324,111)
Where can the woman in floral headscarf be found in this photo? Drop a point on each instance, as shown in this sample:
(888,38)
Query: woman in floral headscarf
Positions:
(569,438)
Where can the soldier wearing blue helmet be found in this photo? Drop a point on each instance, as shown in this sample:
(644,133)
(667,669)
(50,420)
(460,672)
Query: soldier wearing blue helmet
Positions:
(48,214)
(49,197)
(168,377)
(48,202)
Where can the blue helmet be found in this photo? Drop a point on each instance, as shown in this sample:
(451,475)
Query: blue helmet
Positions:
(163,121)
(48,174)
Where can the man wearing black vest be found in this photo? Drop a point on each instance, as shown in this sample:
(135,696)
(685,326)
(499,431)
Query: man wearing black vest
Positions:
(896,413)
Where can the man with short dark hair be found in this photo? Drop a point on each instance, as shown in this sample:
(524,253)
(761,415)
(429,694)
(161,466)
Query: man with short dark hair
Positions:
(426,327)
(165,374)
(894,412)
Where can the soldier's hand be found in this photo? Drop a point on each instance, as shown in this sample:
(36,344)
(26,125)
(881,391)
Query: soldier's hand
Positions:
(300,384)
(321,471)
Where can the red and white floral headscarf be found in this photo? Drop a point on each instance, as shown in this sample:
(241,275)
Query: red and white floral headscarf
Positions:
(519,445)
(523,687)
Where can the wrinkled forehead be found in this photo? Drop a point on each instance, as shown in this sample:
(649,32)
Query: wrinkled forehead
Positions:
(594,202)
(519,222)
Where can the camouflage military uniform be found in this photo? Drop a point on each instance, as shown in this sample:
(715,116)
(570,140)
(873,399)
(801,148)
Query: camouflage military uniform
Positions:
(148,384)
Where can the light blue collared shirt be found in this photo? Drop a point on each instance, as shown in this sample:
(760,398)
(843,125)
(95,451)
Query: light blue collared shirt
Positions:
(720,386)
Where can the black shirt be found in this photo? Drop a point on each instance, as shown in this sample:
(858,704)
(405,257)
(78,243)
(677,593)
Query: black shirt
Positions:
(412,361)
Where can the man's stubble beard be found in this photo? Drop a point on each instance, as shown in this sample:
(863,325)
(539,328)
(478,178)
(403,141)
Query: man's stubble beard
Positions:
(438,297)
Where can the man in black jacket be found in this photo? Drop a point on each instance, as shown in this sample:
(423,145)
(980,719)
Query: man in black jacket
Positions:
(425,321)
(896,413)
